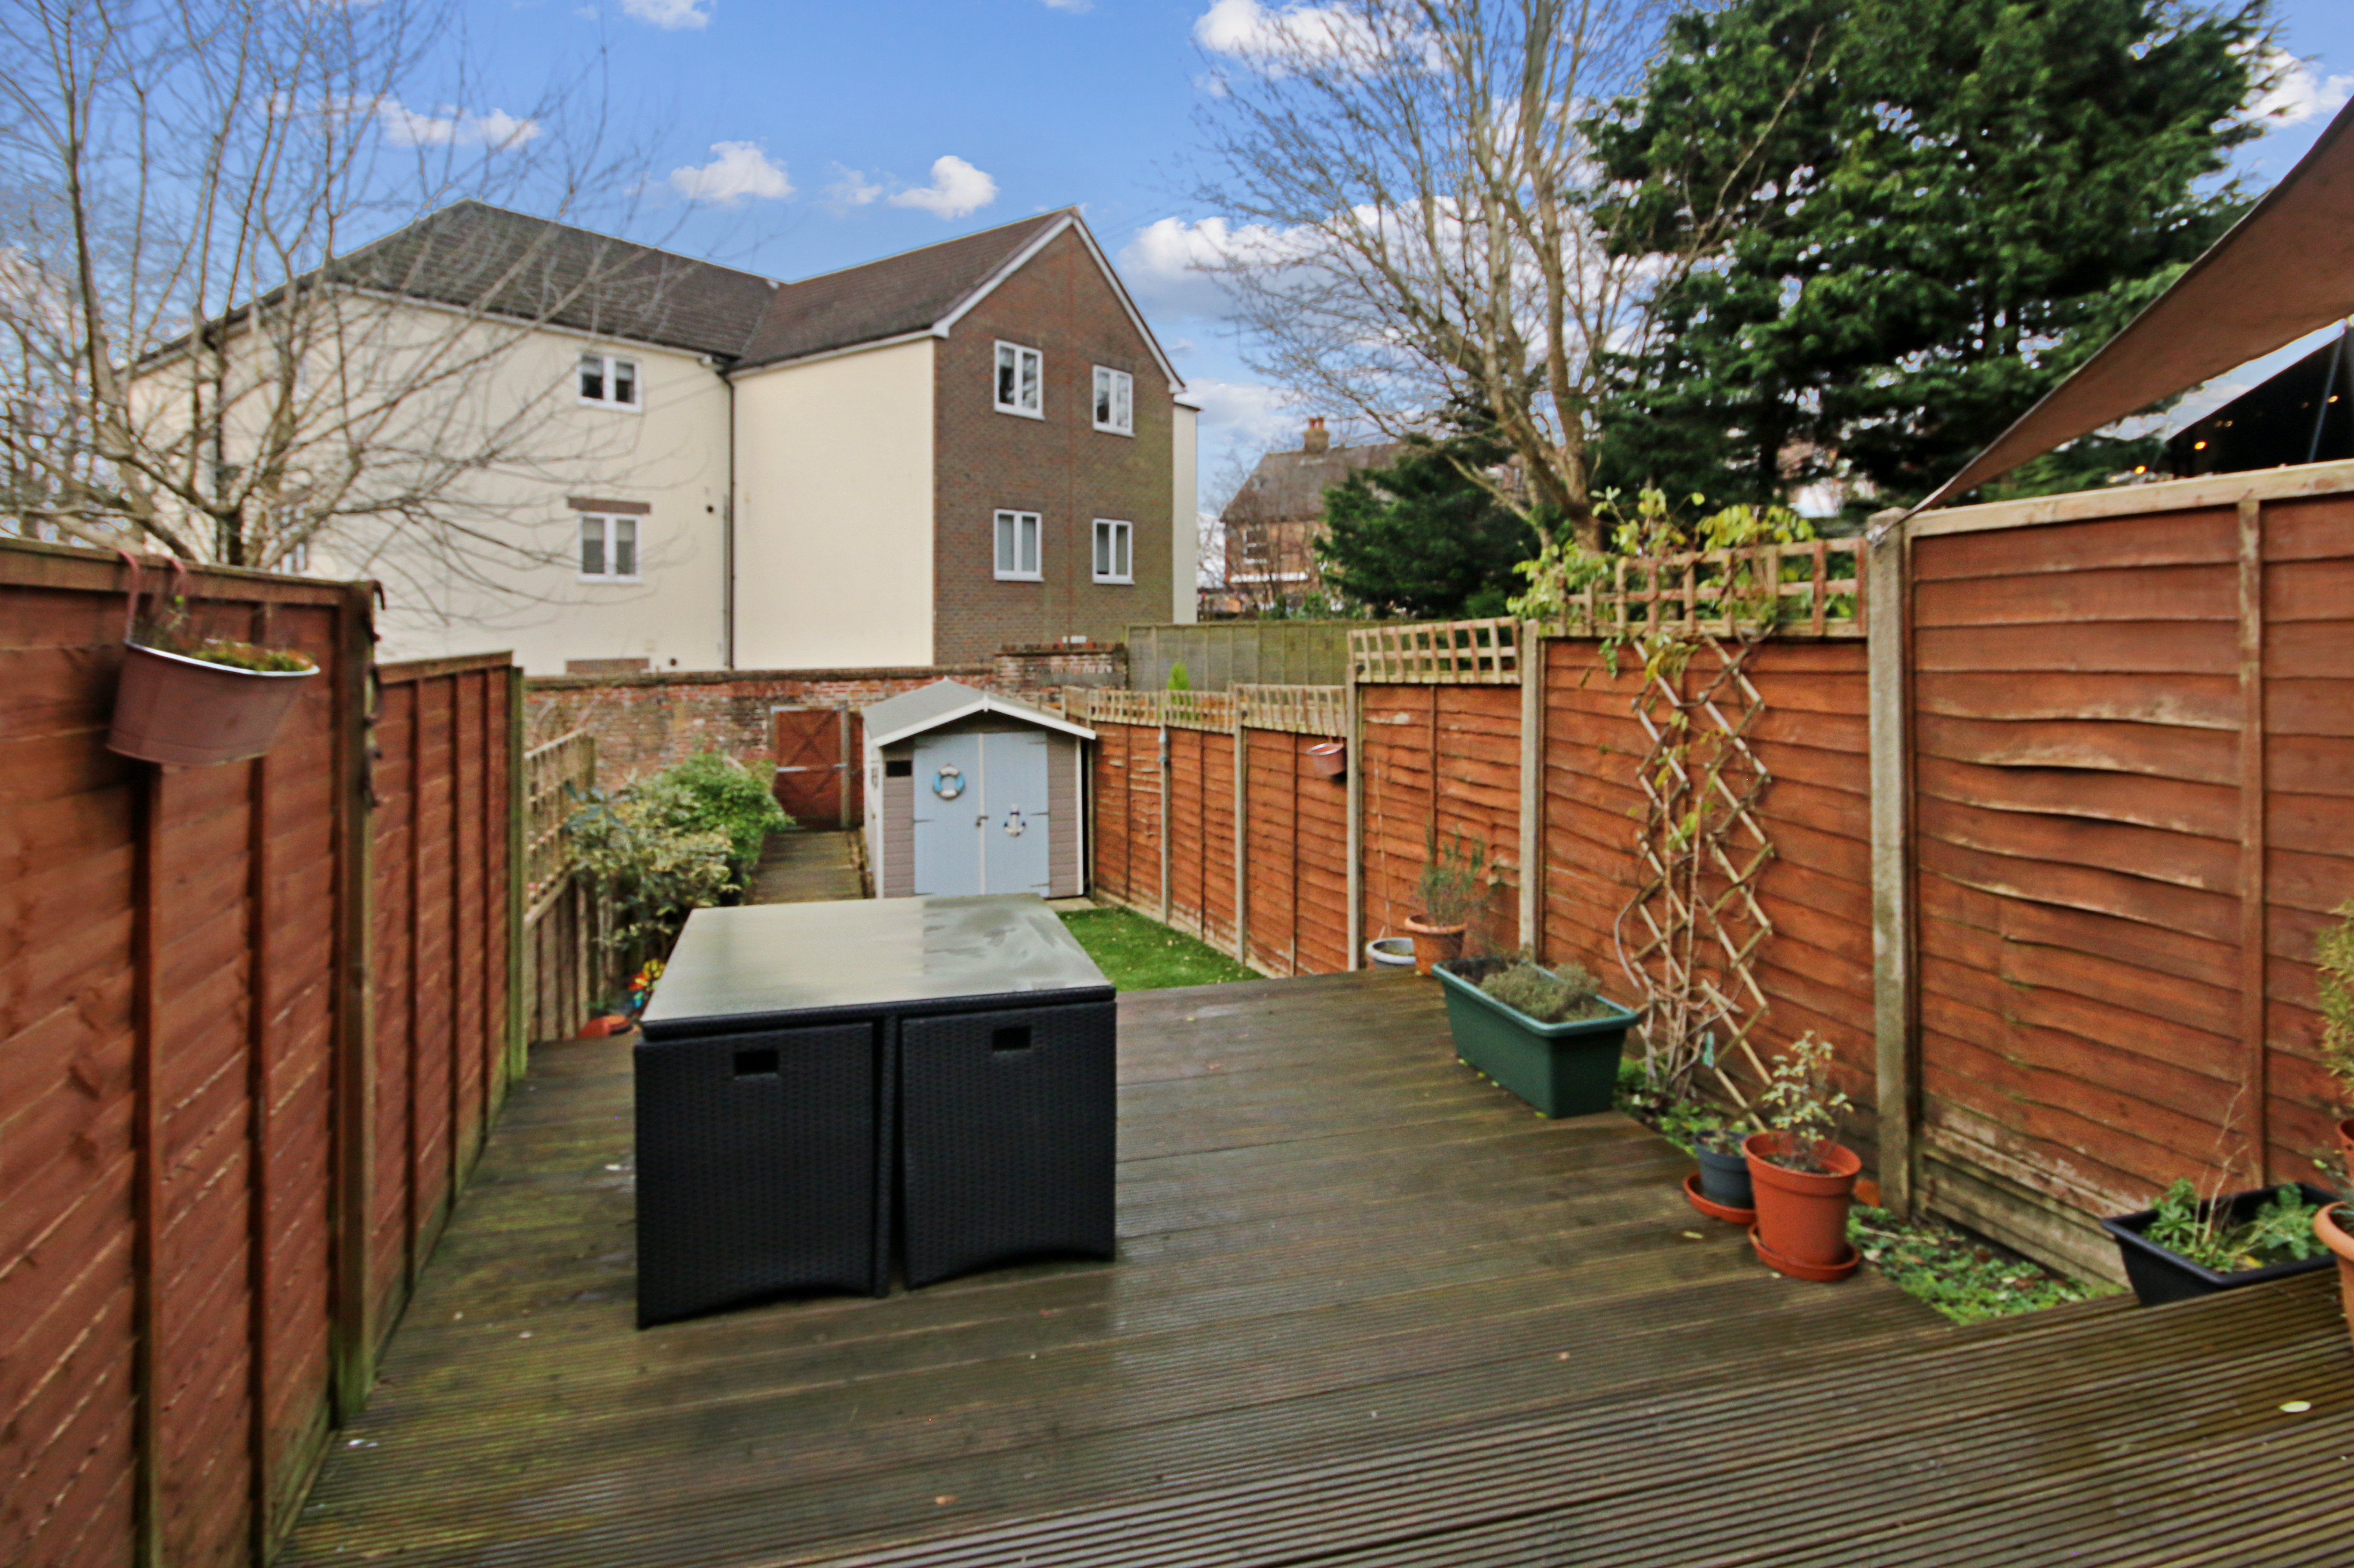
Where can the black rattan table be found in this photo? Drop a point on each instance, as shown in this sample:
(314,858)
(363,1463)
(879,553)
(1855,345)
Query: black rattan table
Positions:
(819,1081)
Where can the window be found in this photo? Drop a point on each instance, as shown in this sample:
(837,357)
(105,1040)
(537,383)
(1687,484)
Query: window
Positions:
(1017,547)
(1115,401)
(1020,373)
(608,381)
(1114,544)
(609,548)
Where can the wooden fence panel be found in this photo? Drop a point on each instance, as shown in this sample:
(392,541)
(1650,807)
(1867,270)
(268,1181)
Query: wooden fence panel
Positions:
(196,1257)
(2124,847)
(1473,732)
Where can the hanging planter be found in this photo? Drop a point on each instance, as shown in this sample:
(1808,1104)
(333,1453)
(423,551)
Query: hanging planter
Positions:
(1330,760)
(198,702)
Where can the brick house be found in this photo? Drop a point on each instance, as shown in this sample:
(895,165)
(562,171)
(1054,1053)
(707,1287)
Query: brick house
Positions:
(1273,521)
(918,460)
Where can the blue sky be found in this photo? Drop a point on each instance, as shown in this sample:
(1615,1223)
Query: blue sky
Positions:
(817,135)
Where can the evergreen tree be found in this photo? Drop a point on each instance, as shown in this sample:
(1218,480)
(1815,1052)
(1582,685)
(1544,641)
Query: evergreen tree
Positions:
(1935,208)
(1419,539)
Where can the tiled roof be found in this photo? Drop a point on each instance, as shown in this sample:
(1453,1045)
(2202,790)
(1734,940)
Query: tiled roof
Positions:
(477,255)
(898,294)
(1288,487)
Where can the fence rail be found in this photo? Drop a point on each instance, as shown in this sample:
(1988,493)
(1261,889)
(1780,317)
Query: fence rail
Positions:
(1295,709)
(1812,588)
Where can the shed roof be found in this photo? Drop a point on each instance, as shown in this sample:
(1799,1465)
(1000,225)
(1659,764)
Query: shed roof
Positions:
(945,702)
(2285,269)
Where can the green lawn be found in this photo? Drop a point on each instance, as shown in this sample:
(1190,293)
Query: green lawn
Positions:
(1138,954)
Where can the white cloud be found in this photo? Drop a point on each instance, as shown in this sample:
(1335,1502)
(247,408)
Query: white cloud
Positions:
(670,13)
(449,126)
(738,170)
(1255,414)
(1248,30)
(2301,93)
(1172,261)
(957,188)
(851,187)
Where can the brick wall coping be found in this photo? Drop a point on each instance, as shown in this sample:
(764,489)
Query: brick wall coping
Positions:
(732,677)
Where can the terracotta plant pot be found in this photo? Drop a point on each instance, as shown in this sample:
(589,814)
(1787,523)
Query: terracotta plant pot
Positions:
(1434,944)
(191,713)
(1331,759)
(1817,1273)
(1802,1216)
(2335,1237)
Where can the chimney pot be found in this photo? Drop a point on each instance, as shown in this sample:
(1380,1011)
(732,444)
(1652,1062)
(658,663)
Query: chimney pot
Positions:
(1317,439)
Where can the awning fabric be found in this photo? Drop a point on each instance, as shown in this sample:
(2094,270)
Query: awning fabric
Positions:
(2285,269)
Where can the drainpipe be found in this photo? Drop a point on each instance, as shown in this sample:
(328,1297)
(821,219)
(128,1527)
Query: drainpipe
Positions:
(727,529)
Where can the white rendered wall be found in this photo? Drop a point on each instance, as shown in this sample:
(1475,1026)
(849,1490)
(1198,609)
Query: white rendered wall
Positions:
(833,512)
(1184,518)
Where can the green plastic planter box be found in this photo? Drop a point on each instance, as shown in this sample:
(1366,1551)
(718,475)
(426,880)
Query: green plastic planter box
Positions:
(1563,1069)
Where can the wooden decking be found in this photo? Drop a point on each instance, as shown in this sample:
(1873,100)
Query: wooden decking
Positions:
(1368,1309)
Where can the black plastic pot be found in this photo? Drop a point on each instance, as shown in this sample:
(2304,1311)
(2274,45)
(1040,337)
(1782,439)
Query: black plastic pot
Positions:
(1724,1177)
(2158,1276)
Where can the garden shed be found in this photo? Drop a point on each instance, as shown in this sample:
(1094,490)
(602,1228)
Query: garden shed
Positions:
(977,793)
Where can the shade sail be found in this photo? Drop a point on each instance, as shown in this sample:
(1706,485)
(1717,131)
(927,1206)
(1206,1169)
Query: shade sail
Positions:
(2285,269)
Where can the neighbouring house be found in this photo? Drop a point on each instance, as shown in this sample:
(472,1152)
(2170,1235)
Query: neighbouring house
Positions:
(1273,521)
(914,462)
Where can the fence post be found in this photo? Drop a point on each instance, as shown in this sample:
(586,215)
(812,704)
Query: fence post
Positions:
(1898,1097)
(1532,789)
(518,804)
(354,1142)
(2253,946)
(1355,753)
(1242,836)
(1167,775)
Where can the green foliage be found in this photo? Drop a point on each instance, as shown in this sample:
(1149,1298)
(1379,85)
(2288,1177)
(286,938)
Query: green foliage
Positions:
(248,656)
(1967,1279)
(1911,218)
(1549,996)
(1654,527)
(649,874)
(1179,681)
(713,793)
(2087,463)
(670,843)
(1453,878)
(1138,954)
(1800,1104)
(2333,953)
(2279,1232)
(1420,539)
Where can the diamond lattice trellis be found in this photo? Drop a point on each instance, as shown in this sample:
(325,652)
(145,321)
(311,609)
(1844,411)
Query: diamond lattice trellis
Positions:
(1695,923)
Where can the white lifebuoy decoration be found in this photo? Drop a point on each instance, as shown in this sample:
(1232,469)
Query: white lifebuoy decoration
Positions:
(949,782)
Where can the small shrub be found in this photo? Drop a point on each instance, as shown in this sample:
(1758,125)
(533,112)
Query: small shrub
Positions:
(1453,880)
(1179,681)
(1555,997)
(1800,1104)
(2280,1231)
(649,873)
(2333,953)
(712,793)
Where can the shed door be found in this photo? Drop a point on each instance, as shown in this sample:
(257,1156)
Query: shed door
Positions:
(949,814)
(1013,770)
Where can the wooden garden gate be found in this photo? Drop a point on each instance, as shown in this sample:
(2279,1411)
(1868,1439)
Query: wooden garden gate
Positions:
(817,776)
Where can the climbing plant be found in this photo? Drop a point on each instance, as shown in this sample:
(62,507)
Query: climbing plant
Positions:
(1690,935)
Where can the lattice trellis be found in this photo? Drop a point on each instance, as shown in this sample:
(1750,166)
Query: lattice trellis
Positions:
(1691,934)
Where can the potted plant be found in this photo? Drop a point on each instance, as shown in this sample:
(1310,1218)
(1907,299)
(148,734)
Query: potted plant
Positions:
(1803,1177)
(1549,1036)
(1722,1188)
(2186,1245)
(2329,1228)
(193,700)
(1450,887)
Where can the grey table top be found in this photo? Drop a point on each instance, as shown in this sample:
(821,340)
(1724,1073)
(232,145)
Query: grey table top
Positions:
(736,967)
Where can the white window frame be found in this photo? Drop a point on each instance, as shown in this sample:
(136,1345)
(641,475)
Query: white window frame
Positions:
(1122,559)
(605,363)
(1121,387)
(999,555)
(605,522)
(1038,409)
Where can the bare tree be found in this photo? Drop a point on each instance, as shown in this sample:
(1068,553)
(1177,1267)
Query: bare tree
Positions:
(206,347)
(1408,207)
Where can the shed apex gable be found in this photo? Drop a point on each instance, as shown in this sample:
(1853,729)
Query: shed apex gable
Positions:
(945,702)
